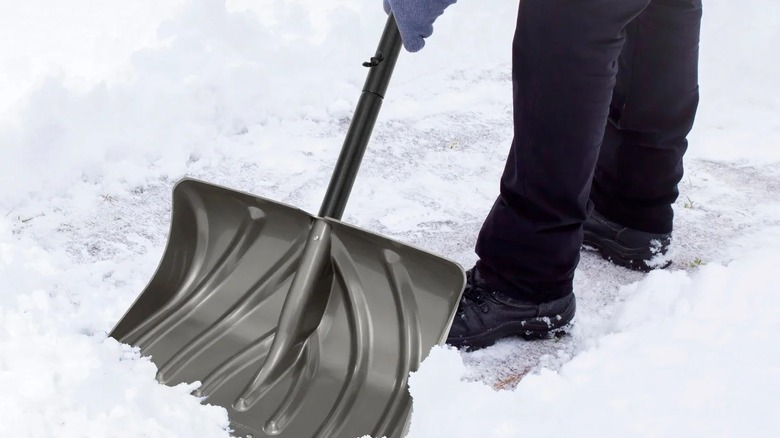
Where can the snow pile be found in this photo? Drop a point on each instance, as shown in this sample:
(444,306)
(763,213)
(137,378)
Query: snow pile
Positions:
(77,41)
(738,120)
(58,378)
(186,101)
(684,355)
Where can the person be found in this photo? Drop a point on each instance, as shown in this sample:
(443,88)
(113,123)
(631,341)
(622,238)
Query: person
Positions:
(604,95)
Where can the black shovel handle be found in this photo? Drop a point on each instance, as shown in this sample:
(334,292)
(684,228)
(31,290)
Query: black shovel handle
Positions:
(380,70)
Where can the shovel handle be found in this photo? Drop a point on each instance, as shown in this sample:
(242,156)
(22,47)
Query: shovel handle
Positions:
(380,70)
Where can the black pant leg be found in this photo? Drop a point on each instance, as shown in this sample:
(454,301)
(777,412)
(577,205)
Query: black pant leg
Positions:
(564,66)
(652,112)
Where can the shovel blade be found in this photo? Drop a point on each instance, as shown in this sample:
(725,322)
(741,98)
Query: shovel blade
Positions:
(211,314)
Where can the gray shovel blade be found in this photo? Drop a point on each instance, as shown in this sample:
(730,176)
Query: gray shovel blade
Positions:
(299,326)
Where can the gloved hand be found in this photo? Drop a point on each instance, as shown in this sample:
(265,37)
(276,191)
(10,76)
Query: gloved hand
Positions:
(415,19)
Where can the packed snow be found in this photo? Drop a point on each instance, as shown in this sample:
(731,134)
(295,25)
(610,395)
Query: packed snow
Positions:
(105,105)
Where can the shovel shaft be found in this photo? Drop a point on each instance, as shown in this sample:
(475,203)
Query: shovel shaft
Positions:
(379,73)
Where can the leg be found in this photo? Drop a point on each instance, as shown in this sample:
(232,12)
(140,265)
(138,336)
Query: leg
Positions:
(564,67)
(652,112)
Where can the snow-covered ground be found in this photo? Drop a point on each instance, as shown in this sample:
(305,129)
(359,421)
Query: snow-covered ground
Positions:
(104,105)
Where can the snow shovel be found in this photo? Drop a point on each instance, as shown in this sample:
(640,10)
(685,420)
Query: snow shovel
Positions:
(299,325)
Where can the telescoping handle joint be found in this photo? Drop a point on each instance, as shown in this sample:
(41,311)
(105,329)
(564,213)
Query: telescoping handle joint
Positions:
(381,67)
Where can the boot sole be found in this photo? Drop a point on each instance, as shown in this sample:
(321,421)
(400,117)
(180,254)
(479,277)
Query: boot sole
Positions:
(632,258)
(542,327)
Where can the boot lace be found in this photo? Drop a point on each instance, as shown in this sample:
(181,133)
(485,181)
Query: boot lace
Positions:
(472,296)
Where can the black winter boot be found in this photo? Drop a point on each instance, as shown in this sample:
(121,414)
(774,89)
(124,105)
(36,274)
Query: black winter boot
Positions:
(625,246)
(486,315)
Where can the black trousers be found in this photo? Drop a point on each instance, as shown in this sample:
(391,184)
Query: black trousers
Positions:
(605,93)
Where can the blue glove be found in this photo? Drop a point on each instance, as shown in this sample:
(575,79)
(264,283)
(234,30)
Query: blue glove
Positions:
(415,19)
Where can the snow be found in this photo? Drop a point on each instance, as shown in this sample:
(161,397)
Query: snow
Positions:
(104,105)
(686,354)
